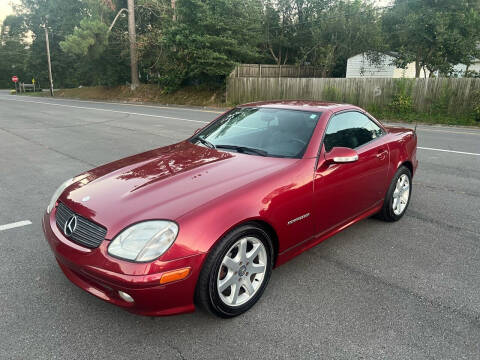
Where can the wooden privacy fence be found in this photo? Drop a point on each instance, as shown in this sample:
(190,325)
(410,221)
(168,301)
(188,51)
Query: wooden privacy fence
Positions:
(266,71)
(447,95)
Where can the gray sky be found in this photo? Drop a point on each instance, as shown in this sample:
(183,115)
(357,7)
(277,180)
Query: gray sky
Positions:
(5,8)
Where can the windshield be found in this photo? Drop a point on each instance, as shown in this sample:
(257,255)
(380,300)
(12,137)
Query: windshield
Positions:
(261,131)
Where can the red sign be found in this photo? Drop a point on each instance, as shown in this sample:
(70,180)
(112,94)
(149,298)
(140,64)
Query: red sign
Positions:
(15,79)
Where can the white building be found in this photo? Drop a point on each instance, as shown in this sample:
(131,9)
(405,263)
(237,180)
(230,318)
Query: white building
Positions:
(459,69)
(360,66)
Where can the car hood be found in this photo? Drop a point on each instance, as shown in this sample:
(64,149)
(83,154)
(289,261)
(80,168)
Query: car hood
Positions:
(163,184)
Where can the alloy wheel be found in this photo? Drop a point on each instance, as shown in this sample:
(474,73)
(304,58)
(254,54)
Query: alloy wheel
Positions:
(401,194)
(242,271)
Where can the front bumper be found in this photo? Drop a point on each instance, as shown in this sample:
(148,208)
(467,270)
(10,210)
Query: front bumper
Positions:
(101,275)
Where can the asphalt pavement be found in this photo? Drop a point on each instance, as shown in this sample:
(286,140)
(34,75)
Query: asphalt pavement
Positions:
(404,290)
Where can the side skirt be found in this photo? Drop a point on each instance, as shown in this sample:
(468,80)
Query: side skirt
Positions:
(306,244)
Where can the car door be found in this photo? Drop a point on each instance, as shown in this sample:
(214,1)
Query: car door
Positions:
(344,191)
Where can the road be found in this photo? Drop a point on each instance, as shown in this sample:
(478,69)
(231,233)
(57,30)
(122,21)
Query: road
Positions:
(405,290)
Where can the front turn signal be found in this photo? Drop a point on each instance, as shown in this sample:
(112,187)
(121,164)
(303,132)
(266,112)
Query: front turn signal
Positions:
(175,275)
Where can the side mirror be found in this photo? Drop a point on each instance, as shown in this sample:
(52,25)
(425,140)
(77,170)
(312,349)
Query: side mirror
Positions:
(341,155)
(197,131)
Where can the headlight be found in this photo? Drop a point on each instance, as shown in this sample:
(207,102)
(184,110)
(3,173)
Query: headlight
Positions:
(58,192)
(144,241)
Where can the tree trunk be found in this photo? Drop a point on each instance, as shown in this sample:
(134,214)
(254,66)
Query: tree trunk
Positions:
(174,17)
(133,46)
(273,55)
(418,68)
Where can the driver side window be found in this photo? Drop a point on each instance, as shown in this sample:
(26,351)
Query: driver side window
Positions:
(350,129)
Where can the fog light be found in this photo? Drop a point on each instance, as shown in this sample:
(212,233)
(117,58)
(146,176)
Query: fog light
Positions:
(125,297)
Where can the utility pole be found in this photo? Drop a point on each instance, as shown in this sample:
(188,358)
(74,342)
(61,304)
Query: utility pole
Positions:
(133,46)
(49,63)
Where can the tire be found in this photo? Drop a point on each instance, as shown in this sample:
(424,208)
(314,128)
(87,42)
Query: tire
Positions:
(239,271)
(390,211)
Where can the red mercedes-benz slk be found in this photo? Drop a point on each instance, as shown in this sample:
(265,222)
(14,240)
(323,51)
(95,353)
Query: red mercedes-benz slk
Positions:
(206,220)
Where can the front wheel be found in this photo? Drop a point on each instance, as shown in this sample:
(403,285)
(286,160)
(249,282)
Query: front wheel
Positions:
(398,195)
(236,272)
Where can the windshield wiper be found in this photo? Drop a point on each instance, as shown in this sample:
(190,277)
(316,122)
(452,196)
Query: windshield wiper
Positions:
(206,142)
(243,149)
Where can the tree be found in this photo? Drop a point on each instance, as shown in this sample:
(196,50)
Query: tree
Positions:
(71,69)
(435,34)
(14,52)
(62,16)
(323,33)
(204,40)
(279,27)
(345,29)
(89,39)
(184,42)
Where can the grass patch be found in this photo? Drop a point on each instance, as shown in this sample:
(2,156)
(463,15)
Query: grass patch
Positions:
(425,118)
(189,95)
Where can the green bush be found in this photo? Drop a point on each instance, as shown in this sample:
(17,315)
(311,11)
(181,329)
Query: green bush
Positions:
(441,104)
(171,81)
(331,94)
(476,105)
(402,102)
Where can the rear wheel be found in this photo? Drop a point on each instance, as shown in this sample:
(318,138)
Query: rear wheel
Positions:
(398,195)
(236,272)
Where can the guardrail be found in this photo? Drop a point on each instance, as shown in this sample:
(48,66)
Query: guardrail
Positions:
(28,87)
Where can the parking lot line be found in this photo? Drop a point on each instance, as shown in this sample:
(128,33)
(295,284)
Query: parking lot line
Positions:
(110,110)
(450,151)
(15,225)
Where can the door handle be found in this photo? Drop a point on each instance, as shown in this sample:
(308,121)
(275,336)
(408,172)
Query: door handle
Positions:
(382,154)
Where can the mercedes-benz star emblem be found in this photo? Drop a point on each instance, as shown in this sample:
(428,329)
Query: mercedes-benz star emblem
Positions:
(70,225)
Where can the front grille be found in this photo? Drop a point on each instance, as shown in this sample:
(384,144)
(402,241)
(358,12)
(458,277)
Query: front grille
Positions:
(86,233)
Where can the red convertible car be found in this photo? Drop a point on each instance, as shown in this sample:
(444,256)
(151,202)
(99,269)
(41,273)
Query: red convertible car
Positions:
(204,221)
